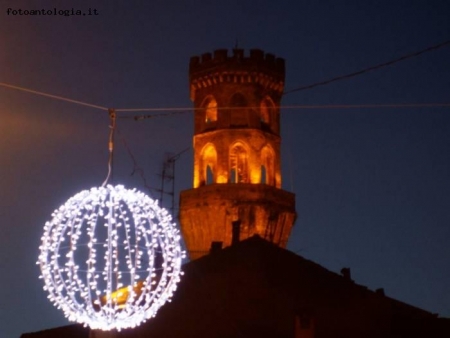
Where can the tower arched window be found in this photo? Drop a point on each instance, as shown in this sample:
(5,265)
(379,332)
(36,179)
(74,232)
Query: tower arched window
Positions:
(268,165)
(208,164)
(210,106)
(238,164)
(266,111)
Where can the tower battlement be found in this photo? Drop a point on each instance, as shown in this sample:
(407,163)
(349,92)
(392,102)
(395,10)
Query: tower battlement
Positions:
(219,67)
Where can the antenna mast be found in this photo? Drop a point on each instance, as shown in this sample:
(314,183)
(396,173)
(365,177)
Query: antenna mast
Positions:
(168,174)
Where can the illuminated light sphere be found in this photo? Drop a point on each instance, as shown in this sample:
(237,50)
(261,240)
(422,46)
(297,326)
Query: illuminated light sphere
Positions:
(110,258)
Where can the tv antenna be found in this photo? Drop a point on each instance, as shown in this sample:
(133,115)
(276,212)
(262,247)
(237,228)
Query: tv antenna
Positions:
(168,176)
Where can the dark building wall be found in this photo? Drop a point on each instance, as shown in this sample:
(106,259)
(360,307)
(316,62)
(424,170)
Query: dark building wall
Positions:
(256,289)
(70,331)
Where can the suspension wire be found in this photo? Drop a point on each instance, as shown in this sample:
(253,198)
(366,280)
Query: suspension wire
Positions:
(61,98)
(368,69)
(352,106)
(183,110)
(155,109)
(176,111)
(112,116)
(142,117)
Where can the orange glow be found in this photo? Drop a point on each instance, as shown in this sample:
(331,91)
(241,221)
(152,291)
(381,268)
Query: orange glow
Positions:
(120,296)
(238,164)
(251,159)
(266,110)
(221,179)
(211,110)
(208,158)
(255,176)
(268,161)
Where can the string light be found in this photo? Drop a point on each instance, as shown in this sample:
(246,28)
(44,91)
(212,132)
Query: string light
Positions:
(110,257)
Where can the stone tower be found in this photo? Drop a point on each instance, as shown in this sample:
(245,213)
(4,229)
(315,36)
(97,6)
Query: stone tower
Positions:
(237,177)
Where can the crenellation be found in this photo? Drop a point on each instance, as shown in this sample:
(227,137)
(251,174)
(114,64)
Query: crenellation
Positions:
(256,55)
(195,60)
(220,55)
(220,62)
(238,54)
(280,64)
(206,57)
(270,58)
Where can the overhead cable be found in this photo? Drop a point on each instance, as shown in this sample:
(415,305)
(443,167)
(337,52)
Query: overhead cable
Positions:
(292,107)
(381,65)
(183,110)
(52,96)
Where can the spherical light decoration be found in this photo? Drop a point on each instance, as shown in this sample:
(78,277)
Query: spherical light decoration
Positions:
(110,258)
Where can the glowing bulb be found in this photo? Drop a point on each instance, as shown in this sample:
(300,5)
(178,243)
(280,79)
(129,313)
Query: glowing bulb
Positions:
(110,258)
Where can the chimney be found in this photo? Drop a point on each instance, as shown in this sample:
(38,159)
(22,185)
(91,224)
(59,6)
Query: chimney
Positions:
(215,247)
(345,272)
(380,291)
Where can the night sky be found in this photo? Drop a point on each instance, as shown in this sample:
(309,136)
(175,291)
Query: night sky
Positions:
(372,184)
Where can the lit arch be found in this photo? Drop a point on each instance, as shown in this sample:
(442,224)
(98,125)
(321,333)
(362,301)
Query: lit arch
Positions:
(210,106)
(268,165)
(208,164)
(266,109)
(238,163)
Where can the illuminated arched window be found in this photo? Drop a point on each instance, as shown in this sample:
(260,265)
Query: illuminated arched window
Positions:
(266,109)
(264,115)
(238,164)
(210,106)
(268,165)
(208,162)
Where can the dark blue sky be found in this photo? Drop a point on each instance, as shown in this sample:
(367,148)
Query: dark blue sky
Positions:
(372,185)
